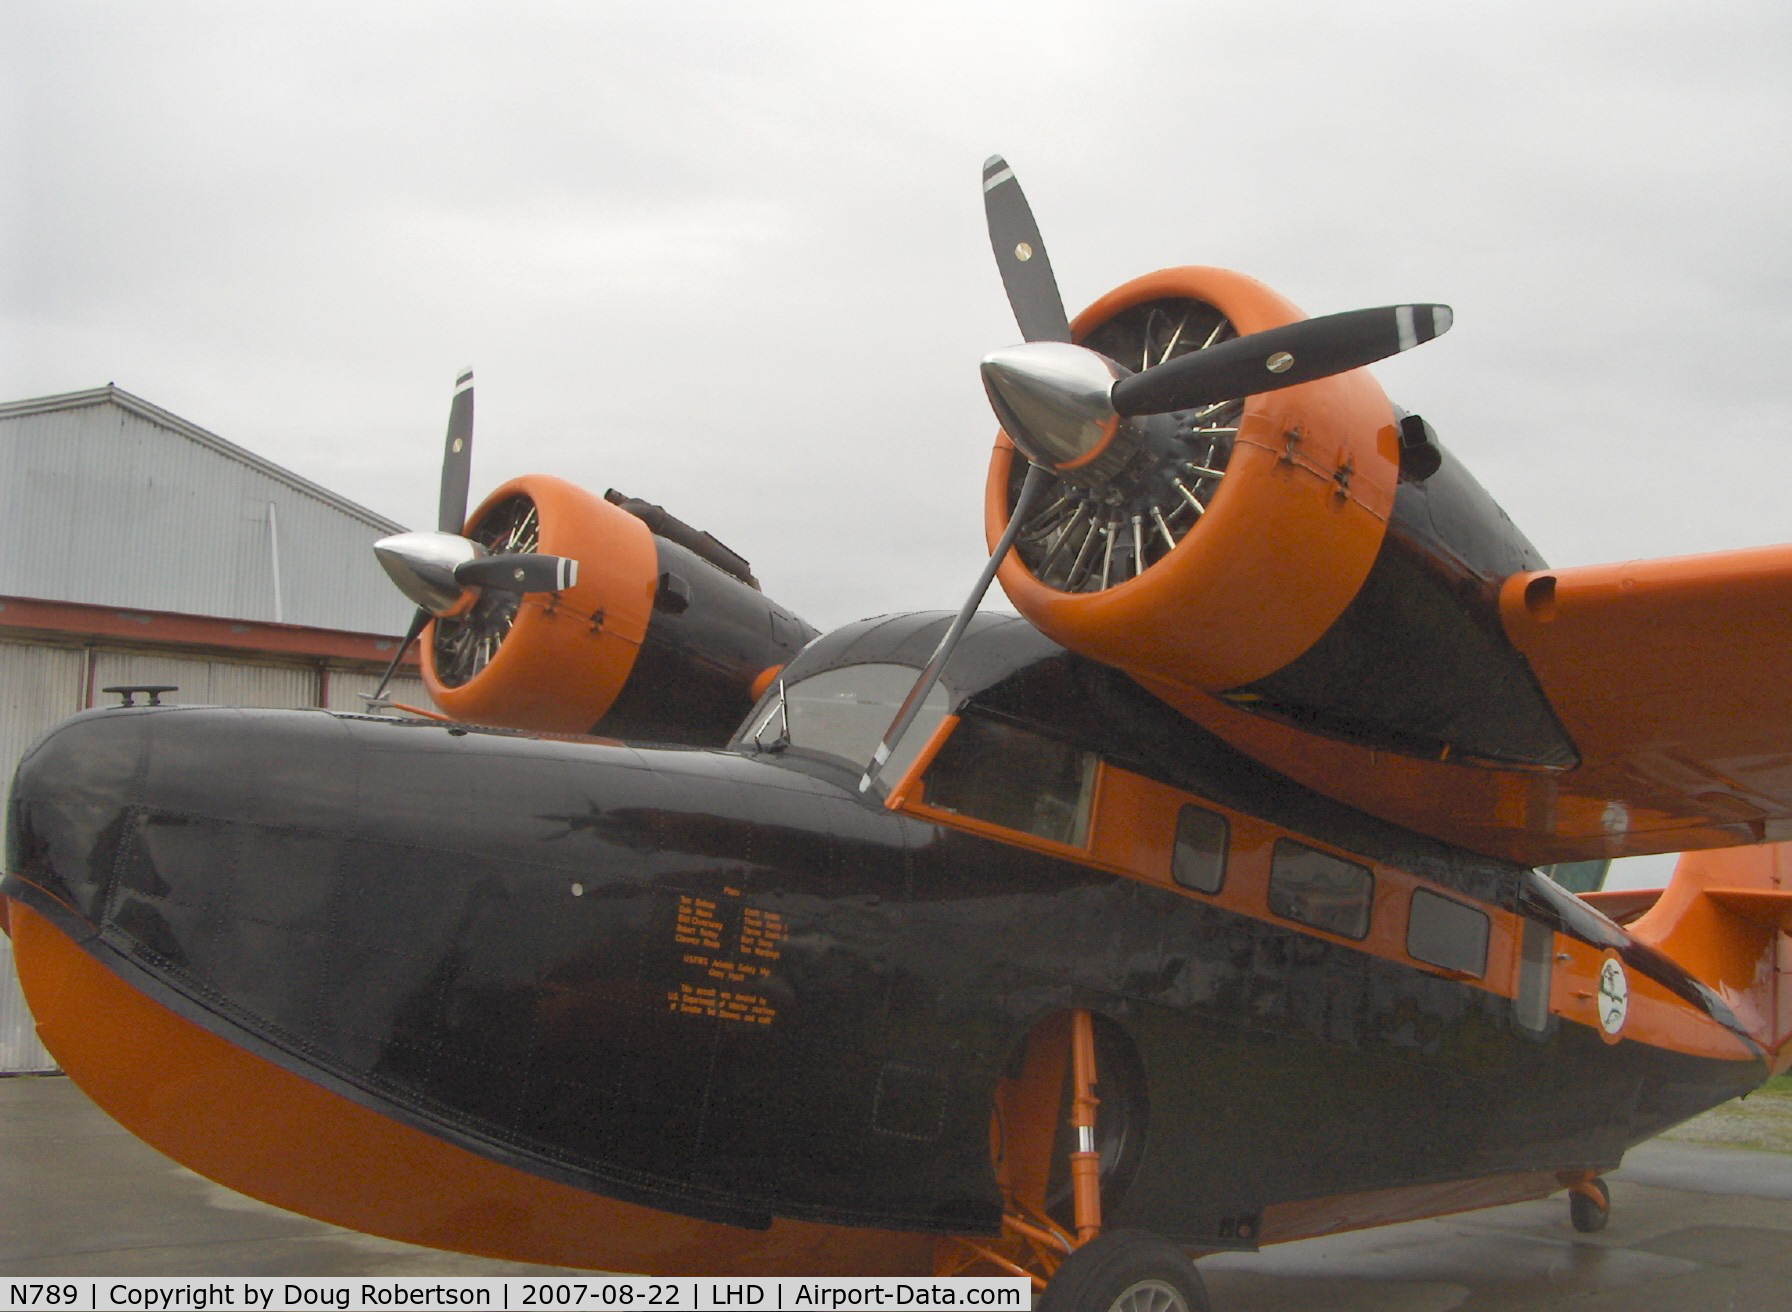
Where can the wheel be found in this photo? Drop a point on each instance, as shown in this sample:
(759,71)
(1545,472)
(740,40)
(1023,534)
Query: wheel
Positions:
(1588,1216)
(1125,1271)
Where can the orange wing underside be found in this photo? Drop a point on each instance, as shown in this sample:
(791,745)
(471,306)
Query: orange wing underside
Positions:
(1672,677)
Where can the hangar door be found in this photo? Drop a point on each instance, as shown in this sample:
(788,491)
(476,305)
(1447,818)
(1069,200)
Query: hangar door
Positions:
(42,684)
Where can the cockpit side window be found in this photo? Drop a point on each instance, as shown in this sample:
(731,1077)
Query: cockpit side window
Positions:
(1011,777)
(842,713)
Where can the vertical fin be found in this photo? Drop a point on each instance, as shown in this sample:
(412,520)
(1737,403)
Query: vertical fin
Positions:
(1725,916)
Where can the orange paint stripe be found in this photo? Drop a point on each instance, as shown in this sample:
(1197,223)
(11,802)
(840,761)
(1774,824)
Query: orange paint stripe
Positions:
(1132,834)
(257,1128)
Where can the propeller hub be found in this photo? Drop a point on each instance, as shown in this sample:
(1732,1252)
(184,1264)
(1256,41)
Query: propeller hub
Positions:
(422,564)
(1053,401)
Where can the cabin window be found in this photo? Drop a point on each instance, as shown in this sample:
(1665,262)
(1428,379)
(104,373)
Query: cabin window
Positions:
(1579,876)
(1199,861)
(1012,777)
(1446,933)
(1321,890)
(844,712)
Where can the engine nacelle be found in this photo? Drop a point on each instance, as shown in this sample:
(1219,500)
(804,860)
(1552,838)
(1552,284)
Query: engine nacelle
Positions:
(1266,555)
(655,642)
(1273,553)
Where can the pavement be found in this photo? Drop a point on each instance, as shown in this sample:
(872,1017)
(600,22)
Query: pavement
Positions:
(1694,1228)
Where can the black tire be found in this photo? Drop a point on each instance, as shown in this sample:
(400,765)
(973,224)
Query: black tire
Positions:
(1589,1217)
(1125,1271)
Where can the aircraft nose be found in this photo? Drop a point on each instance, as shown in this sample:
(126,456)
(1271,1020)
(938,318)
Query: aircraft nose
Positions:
(68,795)
(93,795)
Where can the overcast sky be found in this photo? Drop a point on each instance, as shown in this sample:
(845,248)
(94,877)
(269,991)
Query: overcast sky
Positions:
(731,258)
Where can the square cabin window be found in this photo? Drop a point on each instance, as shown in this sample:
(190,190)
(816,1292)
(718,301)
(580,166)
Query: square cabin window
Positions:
(1318,889)
(1014,778)
(1199,861)
(1446,933)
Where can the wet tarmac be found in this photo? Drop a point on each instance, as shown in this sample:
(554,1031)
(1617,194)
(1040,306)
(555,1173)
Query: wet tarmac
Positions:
(1694,1228)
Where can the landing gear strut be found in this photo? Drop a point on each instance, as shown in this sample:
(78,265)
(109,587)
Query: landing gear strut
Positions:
(1075,1264)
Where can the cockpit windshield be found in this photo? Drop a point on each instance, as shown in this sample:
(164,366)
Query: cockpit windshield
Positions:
(842,714)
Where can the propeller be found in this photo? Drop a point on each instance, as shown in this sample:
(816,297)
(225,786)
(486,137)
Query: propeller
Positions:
(457,458)
(1067,408)
(1039,311)
(1064,406)
(446,573)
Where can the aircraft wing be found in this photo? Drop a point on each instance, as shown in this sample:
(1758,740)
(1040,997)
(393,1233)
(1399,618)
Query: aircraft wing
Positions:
(1673,679)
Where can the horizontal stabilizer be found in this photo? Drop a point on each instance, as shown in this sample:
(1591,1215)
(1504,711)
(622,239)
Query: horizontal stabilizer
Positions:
(1622,904)
(1768,909)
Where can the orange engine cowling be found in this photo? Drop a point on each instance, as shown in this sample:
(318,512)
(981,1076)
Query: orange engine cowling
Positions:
(1239,535)
(654,642)
(1310,555)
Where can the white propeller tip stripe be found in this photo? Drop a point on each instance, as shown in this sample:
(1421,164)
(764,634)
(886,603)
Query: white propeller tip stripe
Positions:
(1403,322)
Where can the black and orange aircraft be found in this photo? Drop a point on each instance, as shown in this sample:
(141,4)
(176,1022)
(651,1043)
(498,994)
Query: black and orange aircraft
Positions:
(1197,909)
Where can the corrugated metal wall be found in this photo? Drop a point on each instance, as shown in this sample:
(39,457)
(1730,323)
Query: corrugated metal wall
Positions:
(112,501)
(42,684)
(109,506)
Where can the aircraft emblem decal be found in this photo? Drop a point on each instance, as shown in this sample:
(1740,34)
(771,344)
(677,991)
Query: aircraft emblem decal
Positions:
(1614,996)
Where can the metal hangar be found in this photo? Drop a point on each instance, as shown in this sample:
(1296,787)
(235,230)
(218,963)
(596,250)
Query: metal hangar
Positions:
(137,548)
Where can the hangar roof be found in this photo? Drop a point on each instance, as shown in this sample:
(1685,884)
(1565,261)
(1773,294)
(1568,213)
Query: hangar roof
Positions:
(106,499)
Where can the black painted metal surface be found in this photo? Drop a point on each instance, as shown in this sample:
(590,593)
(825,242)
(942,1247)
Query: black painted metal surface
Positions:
(727,986)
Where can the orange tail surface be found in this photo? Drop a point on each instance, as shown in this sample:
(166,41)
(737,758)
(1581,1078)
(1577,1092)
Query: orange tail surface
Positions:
(1725,916)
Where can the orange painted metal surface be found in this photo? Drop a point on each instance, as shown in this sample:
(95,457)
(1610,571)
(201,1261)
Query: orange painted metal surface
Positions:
(1533,817)
(1723,916)
(1085,1164)
(1325,1216)
(568,654)
(263,1131)
(1284,545)
(1132,832)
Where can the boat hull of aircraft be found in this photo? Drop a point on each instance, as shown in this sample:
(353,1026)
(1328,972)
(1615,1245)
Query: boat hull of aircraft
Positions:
(716,1010)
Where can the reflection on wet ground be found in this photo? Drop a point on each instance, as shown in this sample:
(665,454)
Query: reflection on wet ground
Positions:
(1694,1227)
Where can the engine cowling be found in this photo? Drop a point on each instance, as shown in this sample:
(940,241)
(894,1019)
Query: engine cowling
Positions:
(653,642)
(1311,555)
(1223,577)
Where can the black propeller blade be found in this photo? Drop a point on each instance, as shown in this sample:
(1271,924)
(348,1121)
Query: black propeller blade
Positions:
(519,573)
(1020,255)
(1062,406)
(418,620)
(457,458)
(1039,310)
(1279,357)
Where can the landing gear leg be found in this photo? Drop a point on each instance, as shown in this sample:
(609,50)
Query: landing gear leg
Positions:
(1589,1205)
(1074,1263)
